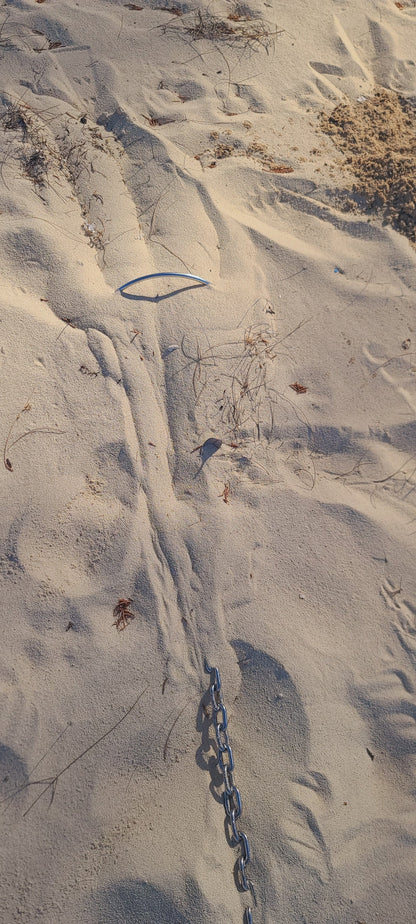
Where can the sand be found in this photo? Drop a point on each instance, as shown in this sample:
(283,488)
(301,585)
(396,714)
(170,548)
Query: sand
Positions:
(144,138)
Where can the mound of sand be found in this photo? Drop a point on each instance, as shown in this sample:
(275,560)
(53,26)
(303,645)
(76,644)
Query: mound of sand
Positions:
(378,138)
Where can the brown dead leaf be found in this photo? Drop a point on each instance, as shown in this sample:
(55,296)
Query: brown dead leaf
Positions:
(122,614)
(299,389)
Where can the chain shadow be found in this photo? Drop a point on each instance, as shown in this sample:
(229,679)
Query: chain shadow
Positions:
(205,756)
(207,759)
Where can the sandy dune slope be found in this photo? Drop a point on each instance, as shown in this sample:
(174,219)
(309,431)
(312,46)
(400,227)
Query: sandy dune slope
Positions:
(235,461)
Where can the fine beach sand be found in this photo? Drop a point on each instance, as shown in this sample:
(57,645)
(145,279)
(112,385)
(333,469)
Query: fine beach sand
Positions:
(269,148)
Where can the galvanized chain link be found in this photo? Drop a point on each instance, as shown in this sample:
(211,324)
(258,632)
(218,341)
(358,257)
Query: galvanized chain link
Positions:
(231,795)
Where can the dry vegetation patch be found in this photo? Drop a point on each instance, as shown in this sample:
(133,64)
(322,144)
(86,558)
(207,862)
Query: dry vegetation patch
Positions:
(241,25)
(48,147)
(236,378)
(224,146)
(377,135)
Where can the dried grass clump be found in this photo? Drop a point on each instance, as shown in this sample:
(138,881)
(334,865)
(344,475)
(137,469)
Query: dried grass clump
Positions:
(207,26)
(31,148)
(238,27)
(15,118)
(244,366)
(35,166)
(247,391)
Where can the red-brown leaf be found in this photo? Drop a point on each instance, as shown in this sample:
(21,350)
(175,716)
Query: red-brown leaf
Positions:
(299,389)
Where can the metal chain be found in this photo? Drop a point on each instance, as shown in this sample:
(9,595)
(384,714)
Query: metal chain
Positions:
(231,795)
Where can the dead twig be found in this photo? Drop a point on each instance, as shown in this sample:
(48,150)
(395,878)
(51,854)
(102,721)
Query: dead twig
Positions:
(50,783)
(8,445)
(165,749)
(154,240)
